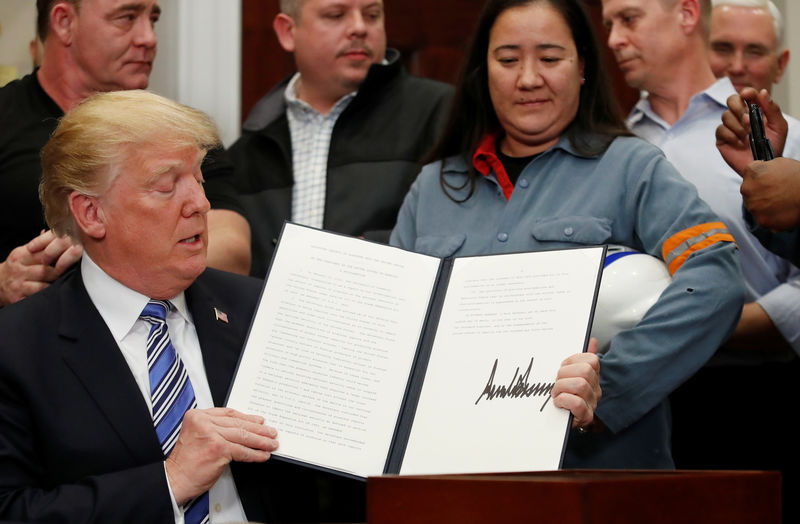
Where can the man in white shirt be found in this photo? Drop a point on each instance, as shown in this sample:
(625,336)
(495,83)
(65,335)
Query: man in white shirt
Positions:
(746,45)
(661,47)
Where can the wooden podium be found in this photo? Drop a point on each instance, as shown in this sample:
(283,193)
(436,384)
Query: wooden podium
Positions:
(582,496)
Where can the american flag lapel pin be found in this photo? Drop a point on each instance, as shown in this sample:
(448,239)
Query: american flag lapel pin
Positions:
(220,315)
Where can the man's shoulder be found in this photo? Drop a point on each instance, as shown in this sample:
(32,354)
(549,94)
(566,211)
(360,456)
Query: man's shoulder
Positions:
(427,85)
(27,115)
(25,98)
(219,298)
(15,89)
(413,93)
(269,108)
(228,287)
(416,106)
(214,277)
(14,98)
(39,314)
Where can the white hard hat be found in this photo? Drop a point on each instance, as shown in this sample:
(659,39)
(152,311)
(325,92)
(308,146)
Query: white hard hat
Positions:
(630,285)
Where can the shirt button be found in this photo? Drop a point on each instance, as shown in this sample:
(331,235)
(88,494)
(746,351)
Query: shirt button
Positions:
(568,231)
(523,183)
(218,507)
(502,237)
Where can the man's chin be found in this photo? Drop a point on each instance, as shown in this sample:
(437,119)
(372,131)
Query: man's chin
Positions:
(739,87)
(634,79)
(140,82)
(136,76)
(189,273)
(193,266)
(354,76)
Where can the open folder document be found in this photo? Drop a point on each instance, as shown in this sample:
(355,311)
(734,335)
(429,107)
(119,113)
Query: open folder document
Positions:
(369,359)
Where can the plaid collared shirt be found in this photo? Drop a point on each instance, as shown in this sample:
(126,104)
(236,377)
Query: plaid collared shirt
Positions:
(311,140)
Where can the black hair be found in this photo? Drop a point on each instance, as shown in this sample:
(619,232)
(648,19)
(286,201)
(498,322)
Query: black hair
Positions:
(472,114)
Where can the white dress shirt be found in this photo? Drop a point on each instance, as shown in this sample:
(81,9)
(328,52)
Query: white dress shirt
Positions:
(120,308)
(792,147)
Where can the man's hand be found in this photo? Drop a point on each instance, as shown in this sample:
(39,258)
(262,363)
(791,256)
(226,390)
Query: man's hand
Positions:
(771,192)
(209,440)
(577,386)
(30,268)
(733,135)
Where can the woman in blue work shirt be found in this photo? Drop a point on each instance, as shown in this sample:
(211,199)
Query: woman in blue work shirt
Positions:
(536,156)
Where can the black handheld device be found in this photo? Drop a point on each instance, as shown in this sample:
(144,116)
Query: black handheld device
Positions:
(759,143)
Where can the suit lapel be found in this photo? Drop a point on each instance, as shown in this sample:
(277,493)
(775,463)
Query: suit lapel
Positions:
(91,352)
(220,340)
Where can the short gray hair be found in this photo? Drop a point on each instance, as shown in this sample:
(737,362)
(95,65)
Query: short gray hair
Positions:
(292,8)
(777,18)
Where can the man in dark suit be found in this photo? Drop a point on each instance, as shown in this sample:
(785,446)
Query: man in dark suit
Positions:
(109,377)
(121,175)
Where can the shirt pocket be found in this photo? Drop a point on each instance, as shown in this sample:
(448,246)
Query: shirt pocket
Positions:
(439,245)
(572,229)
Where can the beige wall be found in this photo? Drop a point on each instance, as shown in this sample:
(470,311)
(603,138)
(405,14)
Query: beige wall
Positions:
(198,60)
(787,93)
(17,28)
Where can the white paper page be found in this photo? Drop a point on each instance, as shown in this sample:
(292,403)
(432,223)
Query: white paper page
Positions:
(329,354)
(502,314)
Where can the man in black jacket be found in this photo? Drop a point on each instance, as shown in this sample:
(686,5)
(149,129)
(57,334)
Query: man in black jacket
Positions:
(338,144)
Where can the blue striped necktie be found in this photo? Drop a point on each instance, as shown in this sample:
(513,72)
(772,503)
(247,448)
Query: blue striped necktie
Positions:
(171,393)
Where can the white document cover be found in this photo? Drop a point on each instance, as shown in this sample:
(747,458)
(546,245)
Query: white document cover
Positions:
(369,359)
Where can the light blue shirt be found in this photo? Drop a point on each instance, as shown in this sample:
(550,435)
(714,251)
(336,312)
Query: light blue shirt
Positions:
(690,145)
(631,196)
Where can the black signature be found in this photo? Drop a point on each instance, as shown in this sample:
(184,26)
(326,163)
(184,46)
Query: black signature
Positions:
(518,387)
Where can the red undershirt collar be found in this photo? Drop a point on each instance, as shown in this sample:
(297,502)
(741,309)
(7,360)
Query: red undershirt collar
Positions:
(485,161)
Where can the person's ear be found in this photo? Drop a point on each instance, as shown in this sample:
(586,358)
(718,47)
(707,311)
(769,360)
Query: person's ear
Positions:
(62,22)
(690,14)
(783,61)
(88,215)
(284,26)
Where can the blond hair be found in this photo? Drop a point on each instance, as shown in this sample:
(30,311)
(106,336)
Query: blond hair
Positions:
(93,141)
